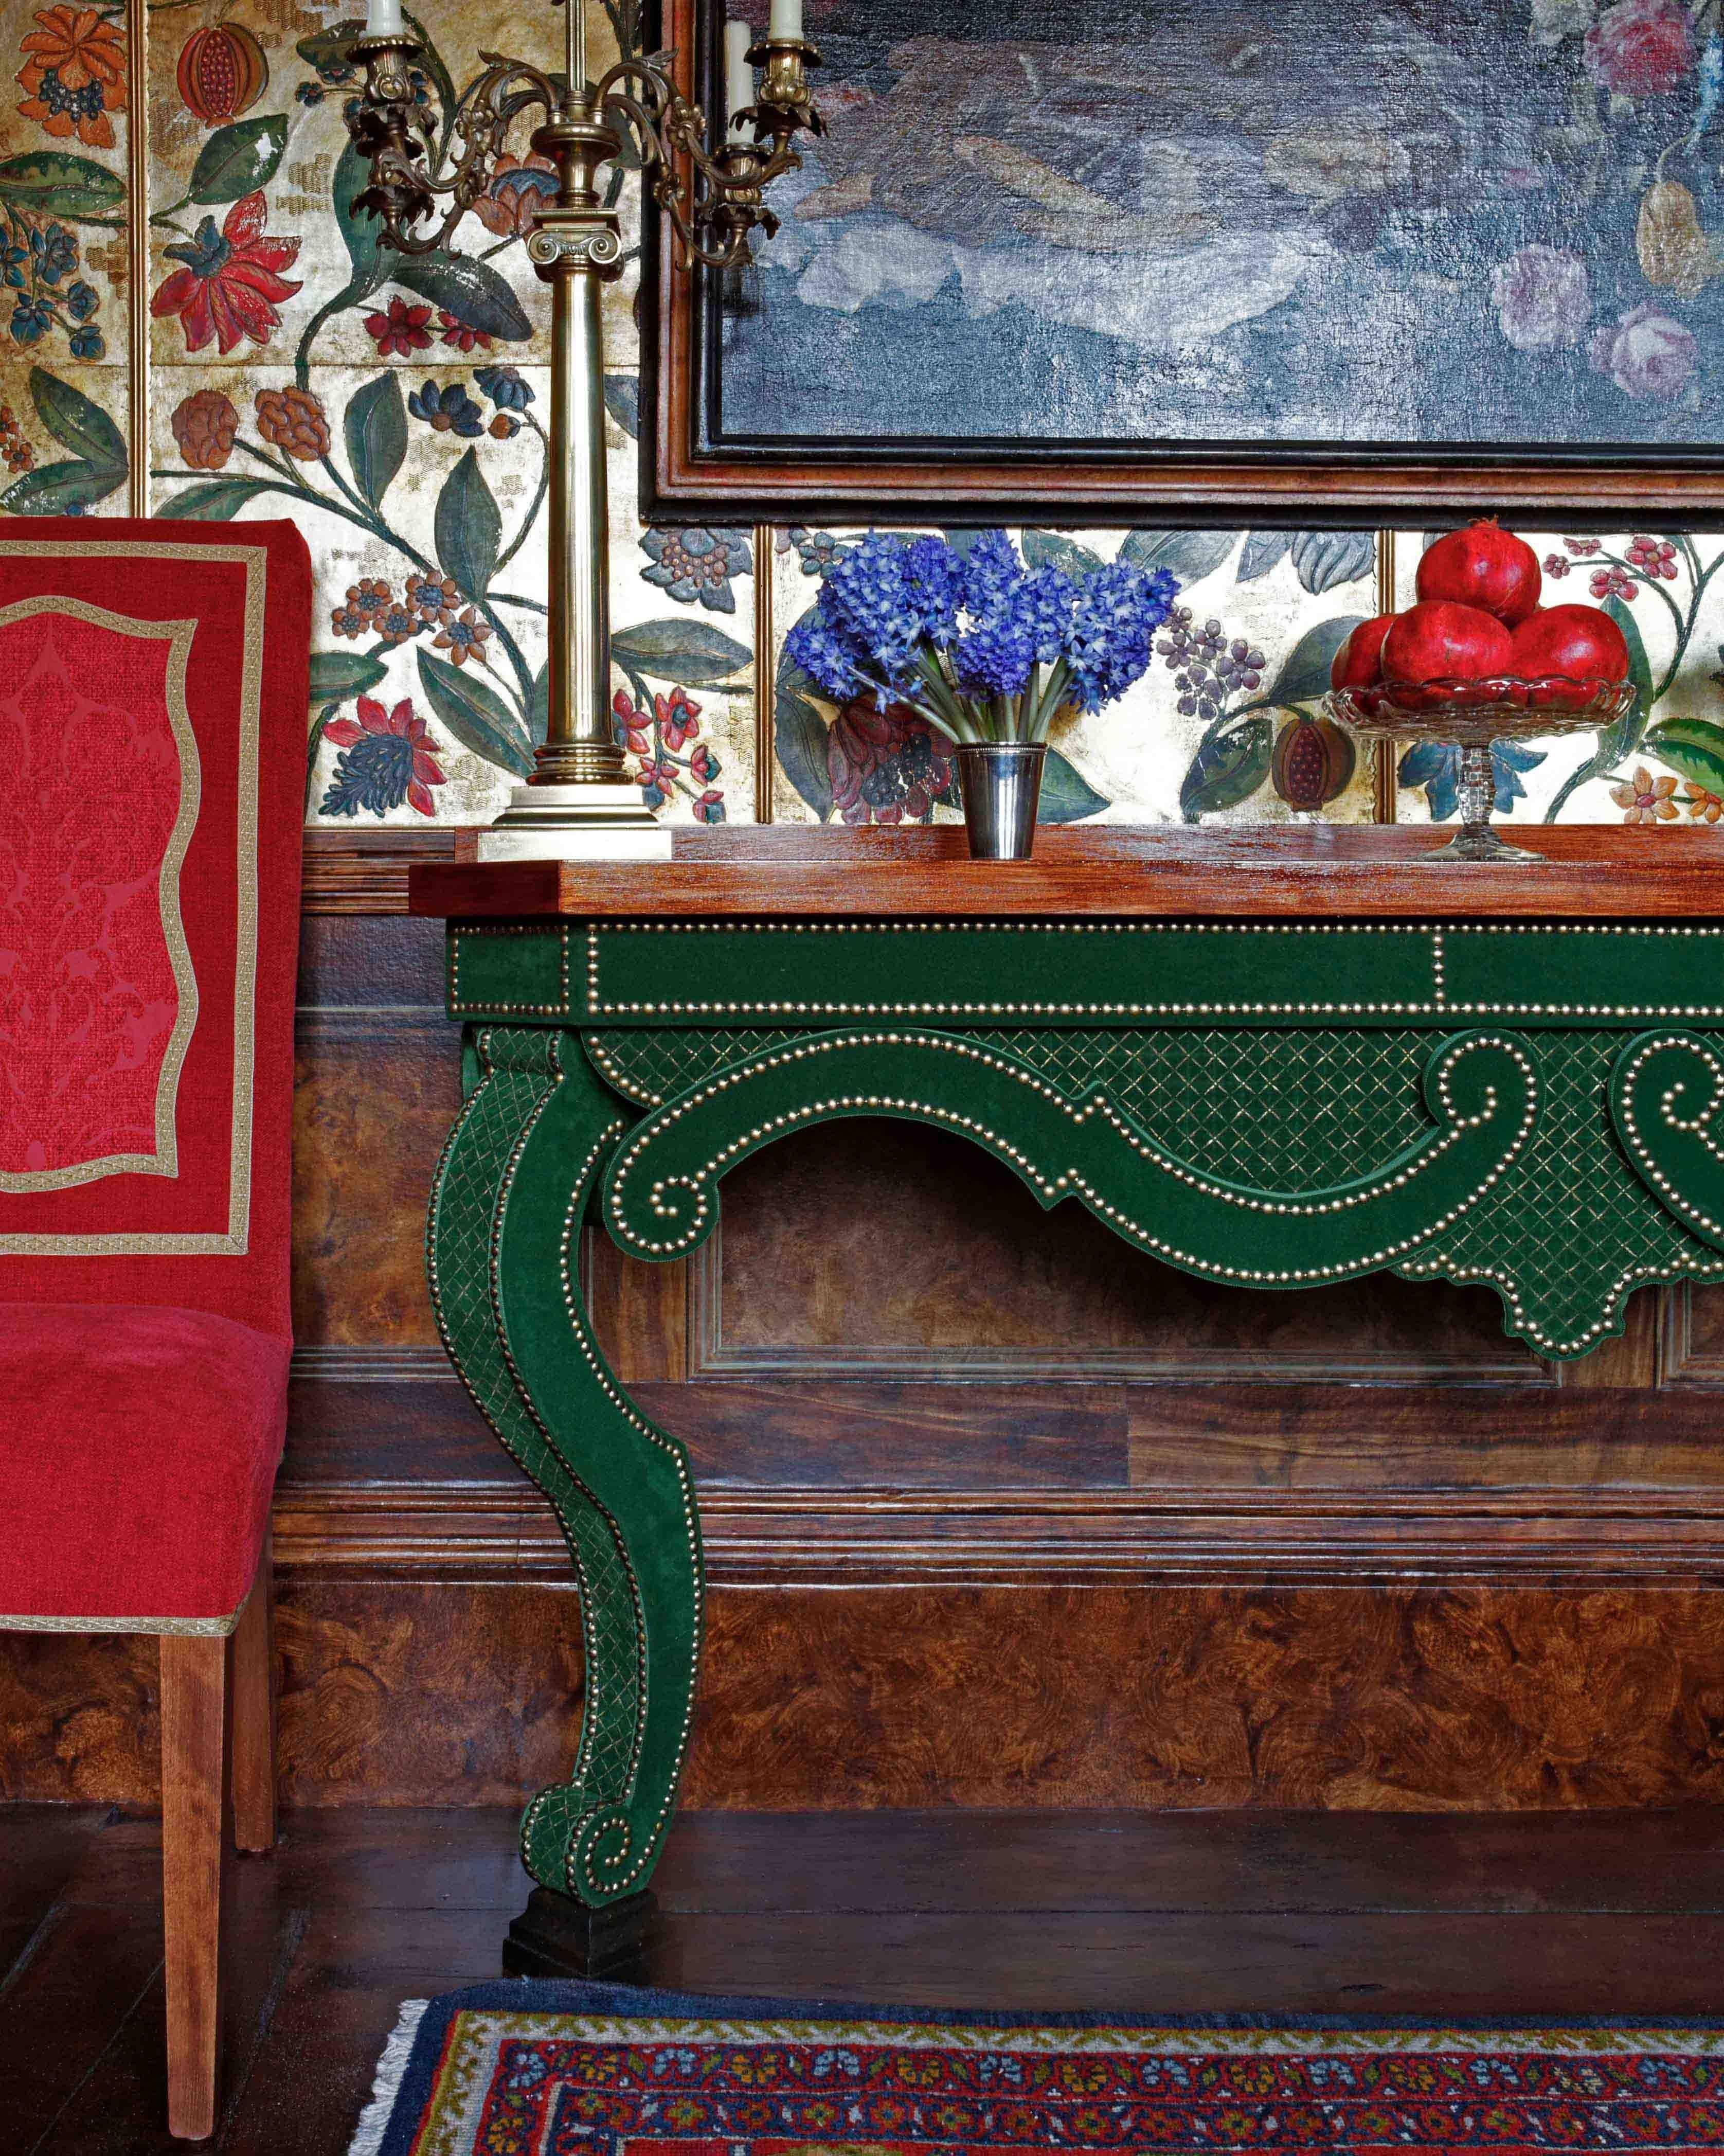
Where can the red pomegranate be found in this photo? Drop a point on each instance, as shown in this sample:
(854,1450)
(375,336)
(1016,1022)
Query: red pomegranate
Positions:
(222,72)
(1436,641)
(1313,761)
(1482,566)
(1358,663)
(1581,642)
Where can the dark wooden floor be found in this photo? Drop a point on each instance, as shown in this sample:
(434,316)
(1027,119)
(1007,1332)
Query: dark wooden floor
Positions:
(1335,1912)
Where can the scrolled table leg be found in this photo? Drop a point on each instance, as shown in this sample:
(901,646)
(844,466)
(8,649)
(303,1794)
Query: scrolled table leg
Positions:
(510,1196)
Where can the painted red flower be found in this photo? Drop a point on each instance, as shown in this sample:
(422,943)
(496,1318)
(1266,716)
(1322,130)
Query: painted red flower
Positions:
(632,725)
(678,717)
(402,329)
(461,335)
(74,76)
(413,757)
(229,281)
(885,765)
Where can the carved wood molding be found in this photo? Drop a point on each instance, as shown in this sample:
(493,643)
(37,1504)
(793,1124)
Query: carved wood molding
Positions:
(809,1537)
(365,872)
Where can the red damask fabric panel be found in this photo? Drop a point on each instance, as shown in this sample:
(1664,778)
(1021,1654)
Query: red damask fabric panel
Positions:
(96,991)
(142,666)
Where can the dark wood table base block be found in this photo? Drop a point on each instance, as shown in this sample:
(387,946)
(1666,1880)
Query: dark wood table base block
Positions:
(557,1936)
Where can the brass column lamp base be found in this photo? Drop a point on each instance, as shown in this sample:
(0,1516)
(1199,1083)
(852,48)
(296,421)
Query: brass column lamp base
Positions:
(579,804)
(588,821)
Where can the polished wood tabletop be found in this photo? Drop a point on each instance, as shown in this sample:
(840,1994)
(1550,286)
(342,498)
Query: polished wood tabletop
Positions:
(1115,871)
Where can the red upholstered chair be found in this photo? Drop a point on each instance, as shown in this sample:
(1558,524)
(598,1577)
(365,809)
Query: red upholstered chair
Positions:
(153,731)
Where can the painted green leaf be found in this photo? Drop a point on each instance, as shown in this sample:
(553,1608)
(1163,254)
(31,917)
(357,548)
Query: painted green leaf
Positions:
(1692,748)
(621,400)
(1259,554)
(475,714)
(328,48)
(692,652)
(75,423)
(1305,670)
(238,159)
(56,490)
(1325,559)
(1191,555)
(217,498)
(374,427)
(473,291)
(1228,769)
(54,183)
(1622,739)
(1066,796)
(538,710)
(469,527)
(799,736)
(336,675)
(361,232)
(1053,550)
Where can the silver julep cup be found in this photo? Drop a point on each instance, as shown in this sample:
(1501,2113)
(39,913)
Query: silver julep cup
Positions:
(1001,783)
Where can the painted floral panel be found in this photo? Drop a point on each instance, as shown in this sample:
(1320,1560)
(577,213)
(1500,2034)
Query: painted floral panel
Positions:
(63,259)
(1226,724)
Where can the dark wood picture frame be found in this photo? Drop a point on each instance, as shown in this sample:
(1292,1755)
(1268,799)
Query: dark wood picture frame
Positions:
(691,473)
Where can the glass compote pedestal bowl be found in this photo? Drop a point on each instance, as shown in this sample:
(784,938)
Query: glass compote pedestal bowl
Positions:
(1469,716)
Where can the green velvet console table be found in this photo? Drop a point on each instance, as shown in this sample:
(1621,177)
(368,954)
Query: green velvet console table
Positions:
(1275,1059)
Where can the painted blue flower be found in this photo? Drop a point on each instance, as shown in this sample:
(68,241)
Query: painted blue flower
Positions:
(14,263)
(447,411)
(55,250)
(697,565)
(86,343)
(1436,769)
(82,301)
(505,387)
(30,319)
(817,551)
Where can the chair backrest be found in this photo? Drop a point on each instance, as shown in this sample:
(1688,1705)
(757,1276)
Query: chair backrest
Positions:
(152,733)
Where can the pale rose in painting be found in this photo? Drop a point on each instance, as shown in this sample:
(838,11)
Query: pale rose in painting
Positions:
(1647,354)
(1641,47)
(1542,297)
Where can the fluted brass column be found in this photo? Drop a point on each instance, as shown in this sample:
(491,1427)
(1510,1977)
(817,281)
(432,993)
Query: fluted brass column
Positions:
(579,804)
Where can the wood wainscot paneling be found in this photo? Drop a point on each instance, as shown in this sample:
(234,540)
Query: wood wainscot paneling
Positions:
(997,1512)
(463,1693)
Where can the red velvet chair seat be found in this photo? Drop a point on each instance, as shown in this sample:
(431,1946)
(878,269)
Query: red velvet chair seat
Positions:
(138,1447)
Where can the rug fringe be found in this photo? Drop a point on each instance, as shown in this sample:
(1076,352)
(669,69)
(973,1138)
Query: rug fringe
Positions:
(374,2120)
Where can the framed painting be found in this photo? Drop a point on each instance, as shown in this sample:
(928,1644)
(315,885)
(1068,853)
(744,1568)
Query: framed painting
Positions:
(1346,263)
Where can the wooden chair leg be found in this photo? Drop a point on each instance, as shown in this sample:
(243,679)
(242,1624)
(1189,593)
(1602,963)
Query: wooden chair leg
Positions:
(254,1715)
(194,1688)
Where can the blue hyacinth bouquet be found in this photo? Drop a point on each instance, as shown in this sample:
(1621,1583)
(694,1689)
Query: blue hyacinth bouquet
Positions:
(984,648)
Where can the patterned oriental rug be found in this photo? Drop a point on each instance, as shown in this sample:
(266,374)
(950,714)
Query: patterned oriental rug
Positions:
(593,2069)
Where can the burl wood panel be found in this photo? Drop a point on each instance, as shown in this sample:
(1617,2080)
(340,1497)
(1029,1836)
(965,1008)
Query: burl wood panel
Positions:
(884,1248)
(401,1694)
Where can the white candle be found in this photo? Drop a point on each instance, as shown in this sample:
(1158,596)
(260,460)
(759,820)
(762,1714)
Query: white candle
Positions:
(738,77)
(785,21)
(383,18)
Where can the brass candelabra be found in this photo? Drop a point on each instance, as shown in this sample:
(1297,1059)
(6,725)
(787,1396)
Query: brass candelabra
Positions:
(578,803)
